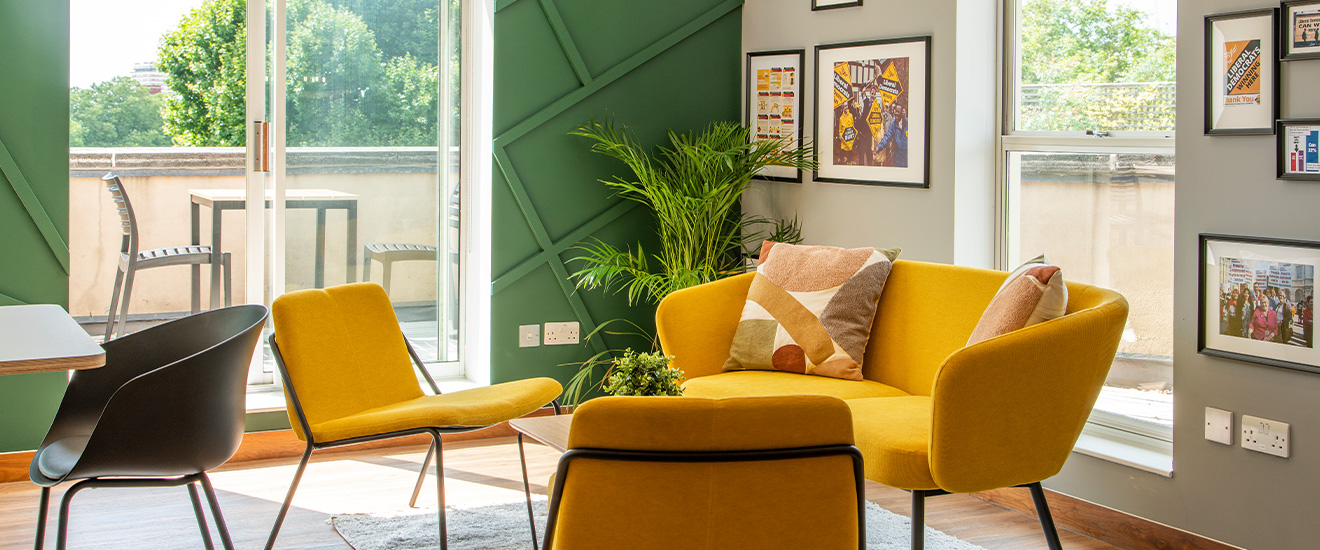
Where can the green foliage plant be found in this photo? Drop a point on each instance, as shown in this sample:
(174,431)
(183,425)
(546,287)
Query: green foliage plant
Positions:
(692,187)
(205,63)
(646,373)
(116,113)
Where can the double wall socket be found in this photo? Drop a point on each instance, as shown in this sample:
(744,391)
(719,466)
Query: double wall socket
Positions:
(559,334)
(1265,435)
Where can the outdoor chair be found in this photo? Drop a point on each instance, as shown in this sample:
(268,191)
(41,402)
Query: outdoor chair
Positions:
(131,261)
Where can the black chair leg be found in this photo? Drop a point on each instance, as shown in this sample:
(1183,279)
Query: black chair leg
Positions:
(440,488)
(288,499)
(1046,520)
(41,519)
(421,476)
(527,490)
(201,516)
(215,512)
(62,529)
(918,520)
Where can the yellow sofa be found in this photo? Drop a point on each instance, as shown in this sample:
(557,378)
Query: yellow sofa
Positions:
(932,415)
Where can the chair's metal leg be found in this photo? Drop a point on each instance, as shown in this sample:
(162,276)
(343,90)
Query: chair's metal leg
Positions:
(366,265)
(527,490)
(229,280)
(62,529)
(440,488)
(215,512)
(288,499)
(41,519)
(114,305)
(128,293)
(1046,520)
(201,516)
(918,520)
(559,409)
(421,476)
(385,274)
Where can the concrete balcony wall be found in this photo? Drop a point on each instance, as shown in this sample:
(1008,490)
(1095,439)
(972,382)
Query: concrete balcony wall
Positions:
(398,201)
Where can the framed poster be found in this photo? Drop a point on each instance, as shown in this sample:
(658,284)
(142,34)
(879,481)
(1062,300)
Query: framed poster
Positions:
(817,5)
(1297,149)
(872,112)
(1301,30)
(1256,299)
(1241,73)
(774,104)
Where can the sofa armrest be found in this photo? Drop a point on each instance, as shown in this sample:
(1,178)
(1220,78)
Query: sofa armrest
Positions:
(1007,411)
(696,325)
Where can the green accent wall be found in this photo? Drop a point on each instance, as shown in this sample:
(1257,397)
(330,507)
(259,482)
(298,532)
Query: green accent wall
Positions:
(34,194)
(653,66)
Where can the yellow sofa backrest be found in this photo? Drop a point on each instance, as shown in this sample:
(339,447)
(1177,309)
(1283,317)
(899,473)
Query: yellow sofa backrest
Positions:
(926,313)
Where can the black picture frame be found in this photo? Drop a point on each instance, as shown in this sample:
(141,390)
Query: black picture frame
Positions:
(749,95)
(1287,30)
(1285,146)
(815,5)
(1269,60)
(1249,254)
(825,143)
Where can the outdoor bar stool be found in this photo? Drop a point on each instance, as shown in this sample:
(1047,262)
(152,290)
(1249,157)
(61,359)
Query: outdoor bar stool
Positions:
(131,261)
(388,253)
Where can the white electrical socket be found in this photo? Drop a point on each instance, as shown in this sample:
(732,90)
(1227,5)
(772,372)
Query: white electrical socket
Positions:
(559,334)
(529,336)
(1219,425)
(1265,436)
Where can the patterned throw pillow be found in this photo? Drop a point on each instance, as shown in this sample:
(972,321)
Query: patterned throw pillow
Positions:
(809,310)
(1033,293)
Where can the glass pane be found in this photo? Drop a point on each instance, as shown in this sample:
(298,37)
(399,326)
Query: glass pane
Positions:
(1107,220)
(1103,65)
(366,198)
(157,97)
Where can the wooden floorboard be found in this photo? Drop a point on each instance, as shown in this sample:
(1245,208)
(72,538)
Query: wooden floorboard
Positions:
(477,472)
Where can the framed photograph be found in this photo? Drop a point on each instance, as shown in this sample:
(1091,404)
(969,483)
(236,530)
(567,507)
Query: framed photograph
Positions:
(1297,149)
(1255,301)
(1301,30)
(817,5)
(774,104)
(872,112)
(1241,73)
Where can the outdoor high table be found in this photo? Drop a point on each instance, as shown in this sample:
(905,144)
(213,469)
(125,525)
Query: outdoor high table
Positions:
(219,200)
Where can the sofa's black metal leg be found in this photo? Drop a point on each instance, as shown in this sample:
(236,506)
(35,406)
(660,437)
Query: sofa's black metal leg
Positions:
(41,519)
(288,499)
(201,516)
(215,512)
(527,490)
(1046,520)
(440,488)
(421,476)
(918,520)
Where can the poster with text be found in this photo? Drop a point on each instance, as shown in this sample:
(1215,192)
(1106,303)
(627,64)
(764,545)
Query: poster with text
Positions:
(874,126)
(1298,149)
(1302,30)
(1240,73)
(774,104)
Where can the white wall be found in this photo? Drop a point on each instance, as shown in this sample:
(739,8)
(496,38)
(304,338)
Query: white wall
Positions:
(952,221)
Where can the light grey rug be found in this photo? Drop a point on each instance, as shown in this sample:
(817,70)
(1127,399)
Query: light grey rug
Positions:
(504,526)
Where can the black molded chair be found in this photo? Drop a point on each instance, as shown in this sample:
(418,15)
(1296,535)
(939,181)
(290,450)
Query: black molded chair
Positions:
(131,261)
(168,405)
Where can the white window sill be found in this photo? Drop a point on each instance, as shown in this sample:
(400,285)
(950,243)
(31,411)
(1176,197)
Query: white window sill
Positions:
(263,398)
(1142,452)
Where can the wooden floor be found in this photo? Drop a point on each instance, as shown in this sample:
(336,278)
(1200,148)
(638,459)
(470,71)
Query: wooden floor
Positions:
(477,472)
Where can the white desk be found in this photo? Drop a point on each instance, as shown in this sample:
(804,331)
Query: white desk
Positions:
(44,338)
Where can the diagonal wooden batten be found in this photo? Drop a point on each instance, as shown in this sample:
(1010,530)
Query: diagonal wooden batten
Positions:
(566,41)
(530,264)
(7,300)
(35,210)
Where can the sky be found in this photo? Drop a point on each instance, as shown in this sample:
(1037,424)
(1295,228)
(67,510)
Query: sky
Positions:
(108,36)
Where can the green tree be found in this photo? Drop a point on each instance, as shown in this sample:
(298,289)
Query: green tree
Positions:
(205,60)
(334,74)
(1071,41)
(116,113)
(402,27)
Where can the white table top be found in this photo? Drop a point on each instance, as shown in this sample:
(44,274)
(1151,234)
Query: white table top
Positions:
(44,338)
(289,194)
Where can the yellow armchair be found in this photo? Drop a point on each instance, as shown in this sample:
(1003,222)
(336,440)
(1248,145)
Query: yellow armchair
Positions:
(933,415)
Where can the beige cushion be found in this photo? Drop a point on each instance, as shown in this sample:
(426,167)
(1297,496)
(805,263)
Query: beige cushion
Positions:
(1032,293)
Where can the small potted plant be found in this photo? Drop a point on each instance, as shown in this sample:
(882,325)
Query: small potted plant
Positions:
(642,374)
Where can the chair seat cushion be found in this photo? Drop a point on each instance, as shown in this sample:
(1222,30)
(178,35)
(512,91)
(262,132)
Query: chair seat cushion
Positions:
(58,459)
(469,408)
(893,434)
(763,383)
